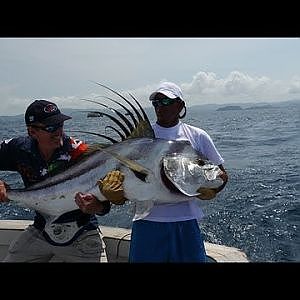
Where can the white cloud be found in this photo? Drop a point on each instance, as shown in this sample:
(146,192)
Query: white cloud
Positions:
(237,86)
(294,87)
(204,88)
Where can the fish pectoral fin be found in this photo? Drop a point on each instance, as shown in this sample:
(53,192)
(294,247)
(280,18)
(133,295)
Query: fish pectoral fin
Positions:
(131,164)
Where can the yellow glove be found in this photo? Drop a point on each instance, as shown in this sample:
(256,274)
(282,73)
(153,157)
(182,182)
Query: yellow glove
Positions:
(206,194)
(111,187)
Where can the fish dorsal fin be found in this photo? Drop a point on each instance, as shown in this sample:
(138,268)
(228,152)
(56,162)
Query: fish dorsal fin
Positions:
(139,125)
(142,130)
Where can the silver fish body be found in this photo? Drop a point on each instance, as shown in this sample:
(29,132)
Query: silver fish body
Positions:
(55,195)
(156,170)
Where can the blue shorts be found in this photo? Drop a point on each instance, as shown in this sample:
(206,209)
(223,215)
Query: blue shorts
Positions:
(166,242)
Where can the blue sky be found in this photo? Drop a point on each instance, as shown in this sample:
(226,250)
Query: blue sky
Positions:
(209,70)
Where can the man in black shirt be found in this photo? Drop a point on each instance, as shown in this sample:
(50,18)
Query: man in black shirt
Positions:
(43,153)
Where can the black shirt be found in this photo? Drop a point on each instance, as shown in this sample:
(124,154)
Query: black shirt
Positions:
(22,155)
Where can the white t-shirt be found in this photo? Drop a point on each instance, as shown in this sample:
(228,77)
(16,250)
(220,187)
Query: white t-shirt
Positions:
(201,141)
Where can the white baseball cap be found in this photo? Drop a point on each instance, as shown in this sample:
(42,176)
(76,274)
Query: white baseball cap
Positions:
(169,89)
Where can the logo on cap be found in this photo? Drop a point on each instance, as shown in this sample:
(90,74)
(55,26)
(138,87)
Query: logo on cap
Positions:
(50,108)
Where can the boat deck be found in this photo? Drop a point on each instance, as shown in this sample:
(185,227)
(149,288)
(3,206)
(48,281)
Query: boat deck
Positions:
(117,242)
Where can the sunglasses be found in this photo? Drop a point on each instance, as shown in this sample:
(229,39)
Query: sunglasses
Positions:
(49,128)
(164,102)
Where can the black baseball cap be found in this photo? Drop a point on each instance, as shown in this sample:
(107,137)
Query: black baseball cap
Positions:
(45,112)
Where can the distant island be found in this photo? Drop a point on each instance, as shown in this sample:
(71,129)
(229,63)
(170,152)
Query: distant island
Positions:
(238,107)
(260,106)
(229,107)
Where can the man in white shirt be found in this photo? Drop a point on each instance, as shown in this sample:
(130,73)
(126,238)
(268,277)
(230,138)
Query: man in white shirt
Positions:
(170,232)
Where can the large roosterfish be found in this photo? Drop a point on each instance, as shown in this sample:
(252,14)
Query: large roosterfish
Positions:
(155,169)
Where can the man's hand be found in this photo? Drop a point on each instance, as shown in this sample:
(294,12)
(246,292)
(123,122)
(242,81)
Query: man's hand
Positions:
(206,194)
(3,195)
(88,203)
(111,187)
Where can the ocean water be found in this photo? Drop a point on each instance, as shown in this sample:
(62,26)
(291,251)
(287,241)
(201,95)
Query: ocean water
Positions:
(259,209)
